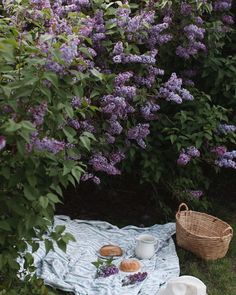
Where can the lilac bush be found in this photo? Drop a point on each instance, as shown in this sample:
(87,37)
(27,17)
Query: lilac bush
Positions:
(87,84)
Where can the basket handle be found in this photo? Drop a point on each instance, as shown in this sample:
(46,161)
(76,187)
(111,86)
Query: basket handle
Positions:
(181,206)
(229,228)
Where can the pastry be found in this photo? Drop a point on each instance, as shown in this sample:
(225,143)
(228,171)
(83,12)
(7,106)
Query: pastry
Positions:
(110,250)
(130,265)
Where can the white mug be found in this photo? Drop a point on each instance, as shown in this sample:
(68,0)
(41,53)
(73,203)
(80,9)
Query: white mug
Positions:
(145,246)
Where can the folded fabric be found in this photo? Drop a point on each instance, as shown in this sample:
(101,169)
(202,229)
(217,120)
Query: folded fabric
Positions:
(184,285)
(73,271)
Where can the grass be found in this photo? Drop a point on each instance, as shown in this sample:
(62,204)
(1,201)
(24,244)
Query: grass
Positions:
(219,275)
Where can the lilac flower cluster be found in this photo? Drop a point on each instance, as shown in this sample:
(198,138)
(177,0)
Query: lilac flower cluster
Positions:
(224,158)
(172,90)
(149,110)
(139,133)
(134,279)
(228,19)
(222,5)
(76,102)
(114,127)
(150,79)
(90,176)
(38,113)
(105,271)
(185,8)
(2,142)
(225,128)
(69,52)
(156,37)
(195,193)
(116,106)
(101,163)
(193,34)
(134,58)
(49,144)
(118,48)
(186,155)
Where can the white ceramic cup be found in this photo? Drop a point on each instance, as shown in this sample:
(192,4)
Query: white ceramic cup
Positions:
(145,246)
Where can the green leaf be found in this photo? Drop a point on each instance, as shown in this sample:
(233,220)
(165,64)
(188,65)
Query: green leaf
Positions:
(97,74)
(48,245)
(4,225)
(59,229)
(62,245)
(52,77)
(43,201)
(76,173)
(85,141)
(68,237)
(30,192)
(54,198)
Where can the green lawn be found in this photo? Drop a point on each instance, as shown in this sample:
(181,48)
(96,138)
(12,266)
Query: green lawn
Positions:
(219,275)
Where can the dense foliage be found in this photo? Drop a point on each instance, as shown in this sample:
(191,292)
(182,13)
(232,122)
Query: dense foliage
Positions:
(82,85)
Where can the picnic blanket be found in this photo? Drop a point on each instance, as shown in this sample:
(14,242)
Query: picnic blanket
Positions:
(73,271)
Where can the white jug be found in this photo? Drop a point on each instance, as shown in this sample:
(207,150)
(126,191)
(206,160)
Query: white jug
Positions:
(145,247)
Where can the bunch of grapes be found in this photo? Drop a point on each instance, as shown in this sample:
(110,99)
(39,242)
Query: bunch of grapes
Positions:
(133,279)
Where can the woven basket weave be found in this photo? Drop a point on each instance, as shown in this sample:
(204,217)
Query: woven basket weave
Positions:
(204,235)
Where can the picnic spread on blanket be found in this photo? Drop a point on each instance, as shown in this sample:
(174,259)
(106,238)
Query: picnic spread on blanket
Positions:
(84,270)
(107,260)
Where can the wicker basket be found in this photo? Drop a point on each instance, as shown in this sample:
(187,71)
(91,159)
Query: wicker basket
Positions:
(206,236)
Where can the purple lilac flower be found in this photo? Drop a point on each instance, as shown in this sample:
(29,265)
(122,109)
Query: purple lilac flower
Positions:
(89,176)
(123,16)
(139,133)
(55,67)
(195,193)
(76,102)
(199,21)
(116,157)
(126,91)
(49,144)
(193,32)
(105,271)
(109,138)
(222,5)
(219,150)
(122,78)
(114,127)
(225,128)
(88,126)
(116,106)
(38,113)
(185,9)
(134,279)
(68,52)
(149,109)
(2,142)
(183,159)
(134,58)
(172,90)
(156,37)
(192,151)
(230,155)
(74,124)
(118,48)
(101,163)
(228,19)
(226,163)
